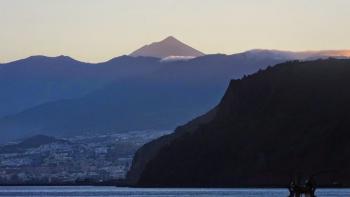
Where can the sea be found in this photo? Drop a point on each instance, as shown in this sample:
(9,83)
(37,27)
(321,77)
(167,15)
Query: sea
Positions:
(63,191)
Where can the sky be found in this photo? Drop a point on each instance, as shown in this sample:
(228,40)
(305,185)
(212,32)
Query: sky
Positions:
(98,30)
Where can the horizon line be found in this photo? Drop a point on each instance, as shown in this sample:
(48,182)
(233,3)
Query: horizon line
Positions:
(128,55)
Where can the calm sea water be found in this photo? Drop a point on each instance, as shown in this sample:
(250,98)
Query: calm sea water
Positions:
(114,191)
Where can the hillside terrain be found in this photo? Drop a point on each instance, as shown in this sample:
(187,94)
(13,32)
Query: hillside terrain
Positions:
(289,119)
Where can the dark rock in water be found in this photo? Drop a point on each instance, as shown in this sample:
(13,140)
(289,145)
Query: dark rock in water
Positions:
(292,118)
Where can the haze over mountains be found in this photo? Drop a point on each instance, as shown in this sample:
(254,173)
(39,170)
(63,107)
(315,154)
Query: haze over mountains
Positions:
(60,96)
(302,55)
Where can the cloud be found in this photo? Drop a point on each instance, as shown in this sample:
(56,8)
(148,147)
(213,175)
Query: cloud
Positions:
(176,58)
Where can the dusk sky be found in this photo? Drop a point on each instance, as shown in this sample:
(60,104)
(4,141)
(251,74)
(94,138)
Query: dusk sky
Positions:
(97,30)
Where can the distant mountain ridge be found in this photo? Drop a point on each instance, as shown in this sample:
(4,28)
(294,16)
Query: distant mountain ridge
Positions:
(38,79)
(60,95)
(169,95)
(170,46)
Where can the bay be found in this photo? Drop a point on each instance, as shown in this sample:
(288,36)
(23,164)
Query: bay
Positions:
(80,191)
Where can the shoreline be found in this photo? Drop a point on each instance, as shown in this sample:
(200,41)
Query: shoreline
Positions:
(128,186)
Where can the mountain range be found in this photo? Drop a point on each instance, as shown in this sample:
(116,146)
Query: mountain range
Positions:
(60,96)
(287,120)
(38,79)
(163,99)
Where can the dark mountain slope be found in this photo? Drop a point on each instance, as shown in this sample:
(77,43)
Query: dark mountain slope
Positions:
(169,96)
(292,118)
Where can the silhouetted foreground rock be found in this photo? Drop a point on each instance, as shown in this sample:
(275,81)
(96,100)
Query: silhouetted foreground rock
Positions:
(293,118)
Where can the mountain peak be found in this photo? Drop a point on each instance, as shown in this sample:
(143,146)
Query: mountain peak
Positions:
(170,39)
(170,46)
